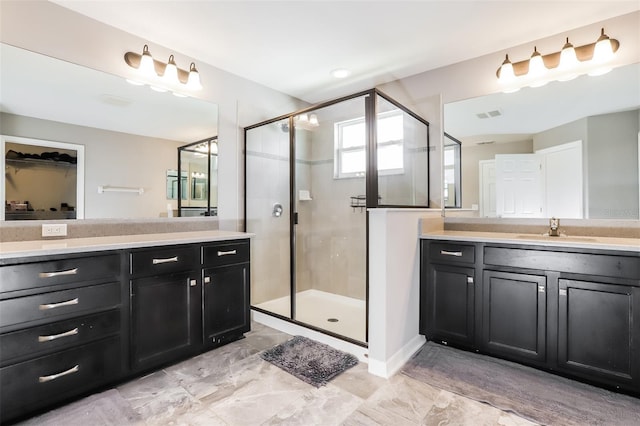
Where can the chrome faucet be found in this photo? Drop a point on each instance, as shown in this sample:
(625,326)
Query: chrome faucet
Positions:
(554,227)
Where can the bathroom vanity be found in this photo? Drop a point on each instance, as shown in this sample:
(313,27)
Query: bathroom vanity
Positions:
(566,305)
(79,314)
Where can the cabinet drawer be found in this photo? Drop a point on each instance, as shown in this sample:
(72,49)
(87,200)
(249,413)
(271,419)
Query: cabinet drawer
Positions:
(57,272)
(226,253)
(451,252)
(60,335)
(58,303)
(578,263)
(43,381)
(164,260)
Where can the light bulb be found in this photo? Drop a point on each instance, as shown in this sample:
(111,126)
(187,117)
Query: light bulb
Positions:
(603,50)
(537,70)
(147,67)
(193,82)
(313,120)
(568,62)
(507,75)
(171,72)
(303,118)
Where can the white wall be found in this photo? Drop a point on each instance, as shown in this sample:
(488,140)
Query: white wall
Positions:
(52,30)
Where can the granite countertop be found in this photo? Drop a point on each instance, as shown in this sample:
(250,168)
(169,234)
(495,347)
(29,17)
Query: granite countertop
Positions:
(591,242)
(9,250)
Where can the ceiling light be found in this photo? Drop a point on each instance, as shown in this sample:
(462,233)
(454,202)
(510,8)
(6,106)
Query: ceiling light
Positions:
(566,64)
(341,73)
(162,77)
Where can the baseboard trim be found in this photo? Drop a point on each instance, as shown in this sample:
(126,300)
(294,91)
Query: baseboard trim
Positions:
(392,365)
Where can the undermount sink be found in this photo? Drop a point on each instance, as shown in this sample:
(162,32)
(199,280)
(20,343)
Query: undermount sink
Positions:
(560,238)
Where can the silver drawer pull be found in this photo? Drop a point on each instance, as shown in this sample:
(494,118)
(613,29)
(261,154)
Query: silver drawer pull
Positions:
(167,260)
(451,253)
(44,379)
(58,305)
(207,280)
(57,336)
(226,253)
(59,273)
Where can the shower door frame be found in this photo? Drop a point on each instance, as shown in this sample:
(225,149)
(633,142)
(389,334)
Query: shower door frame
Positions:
(371,188)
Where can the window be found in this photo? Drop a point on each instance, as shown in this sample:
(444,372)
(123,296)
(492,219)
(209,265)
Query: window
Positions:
(350,141)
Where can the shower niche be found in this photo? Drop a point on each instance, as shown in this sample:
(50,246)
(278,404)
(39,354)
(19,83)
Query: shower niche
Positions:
(309,261)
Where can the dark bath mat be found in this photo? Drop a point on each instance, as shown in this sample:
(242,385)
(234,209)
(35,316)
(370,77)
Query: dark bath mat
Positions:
(308,360)
(533,394)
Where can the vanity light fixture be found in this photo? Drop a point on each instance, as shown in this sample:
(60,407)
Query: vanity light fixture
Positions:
(306,121)
(568,63)
(160,76)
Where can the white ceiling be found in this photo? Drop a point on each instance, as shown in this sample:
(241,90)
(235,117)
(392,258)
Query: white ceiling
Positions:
(292,46)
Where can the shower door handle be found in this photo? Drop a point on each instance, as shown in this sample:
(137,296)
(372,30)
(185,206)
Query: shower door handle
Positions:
(295,218)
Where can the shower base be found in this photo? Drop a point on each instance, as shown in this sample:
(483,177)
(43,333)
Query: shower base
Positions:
(338,314)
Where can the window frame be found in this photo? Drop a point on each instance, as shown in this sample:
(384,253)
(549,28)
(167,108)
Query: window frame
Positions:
(339,149)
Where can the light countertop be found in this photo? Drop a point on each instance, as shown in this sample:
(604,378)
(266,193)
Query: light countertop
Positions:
(591,242)
(9,250)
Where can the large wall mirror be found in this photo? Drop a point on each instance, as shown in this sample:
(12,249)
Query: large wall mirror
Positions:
(567,149)
(129,136)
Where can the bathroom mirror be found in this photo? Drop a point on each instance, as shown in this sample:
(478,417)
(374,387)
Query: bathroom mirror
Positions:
(130,134)
(583,135)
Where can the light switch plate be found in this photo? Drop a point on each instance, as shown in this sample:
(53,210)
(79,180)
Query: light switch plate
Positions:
(54,230)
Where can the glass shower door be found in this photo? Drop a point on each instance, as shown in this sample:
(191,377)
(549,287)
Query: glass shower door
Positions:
(330,231)
(268,216)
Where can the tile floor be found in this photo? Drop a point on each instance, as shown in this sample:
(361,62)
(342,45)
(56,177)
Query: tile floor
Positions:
(232,385)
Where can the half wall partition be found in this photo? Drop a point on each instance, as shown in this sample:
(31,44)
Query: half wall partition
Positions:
(310,178)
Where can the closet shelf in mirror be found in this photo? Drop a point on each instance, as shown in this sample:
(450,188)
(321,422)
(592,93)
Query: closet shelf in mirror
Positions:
(32,162)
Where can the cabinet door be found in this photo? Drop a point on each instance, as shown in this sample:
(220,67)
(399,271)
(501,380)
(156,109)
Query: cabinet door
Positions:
(514,315)
(449,301)
(166,318)
(226,303)
(599,332)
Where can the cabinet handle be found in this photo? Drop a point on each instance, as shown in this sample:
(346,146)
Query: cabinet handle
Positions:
(207,280)
(192,283)
(58,273)
(226,253)
(469,280)
(60,304)
(57,336)
(451,253)
(44,379)
(167,260)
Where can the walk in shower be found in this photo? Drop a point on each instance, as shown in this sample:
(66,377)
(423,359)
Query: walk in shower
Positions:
(310,177)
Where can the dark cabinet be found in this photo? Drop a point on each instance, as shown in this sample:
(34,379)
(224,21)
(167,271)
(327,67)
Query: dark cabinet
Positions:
(165,318)
(166,305)
(567,310)
(61,329)
(598,331)
(514,315)
(226,292)
(449,297)
(73,323)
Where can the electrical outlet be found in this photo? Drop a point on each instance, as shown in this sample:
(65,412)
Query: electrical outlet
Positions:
(54,230)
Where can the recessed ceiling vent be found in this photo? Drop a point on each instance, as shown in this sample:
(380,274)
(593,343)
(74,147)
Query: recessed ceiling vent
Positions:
(489,114)
(115,100)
